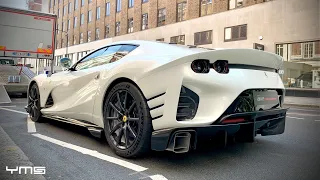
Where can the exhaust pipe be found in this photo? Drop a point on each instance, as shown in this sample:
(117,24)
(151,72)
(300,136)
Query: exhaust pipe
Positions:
(180,142)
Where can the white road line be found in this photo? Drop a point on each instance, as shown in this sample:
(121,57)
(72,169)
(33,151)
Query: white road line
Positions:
(31,125)
(93,153)
(304,109)
(14,111)
(317,120)
(301,114)
(294,117)
(158,177)
(7,106)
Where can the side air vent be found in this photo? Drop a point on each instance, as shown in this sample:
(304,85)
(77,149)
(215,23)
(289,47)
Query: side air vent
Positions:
(49,102)
(188,104)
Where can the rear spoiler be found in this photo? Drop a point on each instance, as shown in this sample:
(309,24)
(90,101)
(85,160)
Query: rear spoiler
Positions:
(243,57)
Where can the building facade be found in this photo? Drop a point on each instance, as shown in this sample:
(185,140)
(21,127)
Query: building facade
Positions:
(289,28)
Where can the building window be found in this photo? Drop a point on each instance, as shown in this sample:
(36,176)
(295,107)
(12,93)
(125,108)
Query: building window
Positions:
(160,40)
(62,43)
(235,4)
(107,31)
(144,21)
(69,7)
(97,34)
(63,26)
(235,33)
(69,24)
(57,28)
(177,39)
(205,4)
(118,5)
(280,49)
(81,19)
(88,36)
(89,16)
(75,22)
(161,17)
(81,38)
(296,49)
(130,25)
(144,1)
(98,12)
(204,37)
(58,12)
(75,4)
(117,28)
(130,3)
(82,3)
(181,10)
(74,40)
(108,9)
(64,10)
(307,50)
(90,1)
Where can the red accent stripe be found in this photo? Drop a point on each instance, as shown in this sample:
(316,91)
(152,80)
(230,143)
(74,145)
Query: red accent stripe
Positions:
(238,120)
(27,51)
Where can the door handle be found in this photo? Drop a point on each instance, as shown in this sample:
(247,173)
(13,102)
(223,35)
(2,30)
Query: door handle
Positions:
(97,76)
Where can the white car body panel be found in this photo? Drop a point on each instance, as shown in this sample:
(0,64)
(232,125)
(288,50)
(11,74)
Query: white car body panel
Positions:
(160,68)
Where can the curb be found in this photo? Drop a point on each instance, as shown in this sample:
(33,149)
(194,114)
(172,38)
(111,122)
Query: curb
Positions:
(302,105)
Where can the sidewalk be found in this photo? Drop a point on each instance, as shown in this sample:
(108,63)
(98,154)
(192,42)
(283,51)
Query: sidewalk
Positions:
(302,101)
(12,156)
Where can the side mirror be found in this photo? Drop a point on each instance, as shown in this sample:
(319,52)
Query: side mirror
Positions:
(65,62)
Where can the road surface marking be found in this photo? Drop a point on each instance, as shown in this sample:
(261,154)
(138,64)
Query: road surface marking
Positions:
(301,114)
(304,109)
(7,106)
(31,125)
(294,117)
(316,120)
(14,111)
(158,177)
(93,153)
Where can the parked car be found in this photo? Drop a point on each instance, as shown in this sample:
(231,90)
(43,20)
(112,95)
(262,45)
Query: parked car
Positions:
(146,95)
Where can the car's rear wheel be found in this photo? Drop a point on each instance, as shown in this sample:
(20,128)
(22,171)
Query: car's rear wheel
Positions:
(34,103)
(127,120)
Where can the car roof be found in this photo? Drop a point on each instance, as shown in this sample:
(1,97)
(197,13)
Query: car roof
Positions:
(156,45)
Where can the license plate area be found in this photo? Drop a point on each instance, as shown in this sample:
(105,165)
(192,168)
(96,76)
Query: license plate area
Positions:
(264,100)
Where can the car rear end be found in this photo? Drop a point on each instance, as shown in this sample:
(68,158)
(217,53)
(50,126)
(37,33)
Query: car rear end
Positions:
(234,91)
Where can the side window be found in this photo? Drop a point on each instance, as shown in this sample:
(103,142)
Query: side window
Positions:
(104,56)
(89,60)
(115,53)
(123,51)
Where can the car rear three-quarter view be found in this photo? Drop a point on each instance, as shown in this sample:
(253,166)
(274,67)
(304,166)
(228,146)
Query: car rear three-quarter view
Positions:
(148,95)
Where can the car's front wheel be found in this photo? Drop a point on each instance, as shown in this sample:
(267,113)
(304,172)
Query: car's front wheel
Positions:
(33,107)
(127,120)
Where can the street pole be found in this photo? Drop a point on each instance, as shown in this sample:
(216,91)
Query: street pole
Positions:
(67,44)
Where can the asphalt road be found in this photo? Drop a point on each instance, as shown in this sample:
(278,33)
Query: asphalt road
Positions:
(70,152)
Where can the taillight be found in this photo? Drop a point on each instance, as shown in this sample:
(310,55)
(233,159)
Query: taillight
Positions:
(200,66)
(230,121)
(221,66)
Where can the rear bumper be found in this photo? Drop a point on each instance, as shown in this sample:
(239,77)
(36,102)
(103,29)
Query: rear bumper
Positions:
(268,122)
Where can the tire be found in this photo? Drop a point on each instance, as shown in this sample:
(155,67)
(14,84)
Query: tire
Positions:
(34,103)
(127,121)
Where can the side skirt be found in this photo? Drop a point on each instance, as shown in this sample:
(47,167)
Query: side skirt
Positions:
(95,130)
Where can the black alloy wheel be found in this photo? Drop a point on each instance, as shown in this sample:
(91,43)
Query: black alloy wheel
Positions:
(33,107)
(127,120)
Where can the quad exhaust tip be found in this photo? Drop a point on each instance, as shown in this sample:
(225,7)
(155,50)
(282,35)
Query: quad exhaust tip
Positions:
(180,142)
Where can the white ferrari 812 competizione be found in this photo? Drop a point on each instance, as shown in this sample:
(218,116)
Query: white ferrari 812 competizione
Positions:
(146,95)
